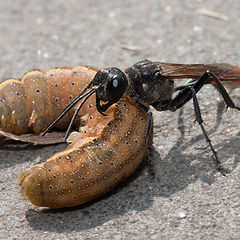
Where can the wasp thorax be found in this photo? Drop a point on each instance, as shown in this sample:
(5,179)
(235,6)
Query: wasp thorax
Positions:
(112,84)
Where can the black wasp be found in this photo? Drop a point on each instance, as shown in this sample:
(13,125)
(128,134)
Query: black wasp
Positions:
(153,83)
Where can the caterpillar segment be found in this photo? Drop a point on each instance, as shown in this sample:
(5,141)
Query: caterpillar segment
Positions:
(32,103)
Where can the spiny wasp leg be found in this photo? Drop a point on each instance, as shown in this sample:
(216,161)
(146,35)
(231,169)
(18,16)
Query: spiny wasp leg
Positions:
(198,116)
(184,96)
(227,99)
(190,92)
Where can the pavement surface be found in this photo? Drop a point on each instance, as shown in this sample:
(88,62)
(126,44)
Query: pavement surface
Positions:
(176,193)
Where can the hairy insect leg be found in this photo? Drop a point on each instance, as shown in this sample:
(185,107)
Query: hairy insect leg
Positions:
(198,116)
(148,127)
(226,97)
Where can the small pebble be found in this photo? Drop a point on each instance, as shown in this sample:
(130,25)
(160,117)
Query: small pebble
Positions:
(181,214)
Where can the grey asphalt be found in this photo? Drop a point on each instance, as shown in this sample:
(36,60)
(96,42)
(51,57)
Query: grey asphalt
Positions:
(176,193)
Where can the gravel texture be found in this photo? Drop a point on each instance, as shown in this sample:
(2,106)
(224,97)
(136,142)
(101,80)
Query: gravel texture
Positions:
(176,193)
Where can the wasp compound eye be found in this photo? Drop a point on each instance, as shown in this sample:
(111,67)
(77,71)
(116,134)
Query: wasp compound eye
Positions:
(112,84)
(116,84)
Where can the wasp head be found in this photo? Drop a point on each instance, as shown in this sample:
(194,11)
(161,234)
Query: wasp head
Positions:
(111,84)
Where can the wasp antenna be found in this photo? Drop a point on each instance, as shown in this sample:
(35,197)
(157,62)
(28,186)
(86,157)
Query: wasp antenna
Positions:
(88,94)
(82,92)
(69,106)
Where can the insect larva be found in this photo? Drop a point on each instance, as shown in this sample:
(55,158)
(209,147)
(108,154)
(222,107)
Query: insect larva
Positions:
(32,103)
(110,150)
(106,151)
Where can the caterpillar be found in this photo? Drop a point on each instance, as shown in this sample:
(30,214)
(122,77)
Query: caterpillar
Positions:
(105,151)
(105,154)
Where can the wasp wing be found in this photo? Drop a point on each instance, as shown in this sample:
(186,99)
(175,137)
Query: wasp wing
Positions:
(227,73)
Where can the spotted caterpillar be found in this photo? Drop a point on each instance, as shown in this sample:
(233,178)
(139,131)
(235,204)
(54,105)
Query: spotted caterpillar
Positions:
(105,151)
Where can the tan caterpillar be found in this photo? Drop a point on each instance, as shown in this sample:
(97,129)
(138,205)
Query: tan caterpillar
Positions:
(105,154)
(107,149)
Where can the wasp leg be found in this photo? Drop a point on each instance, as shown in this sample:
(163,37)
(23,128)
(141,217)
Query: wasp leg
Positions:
(149,121)
(185,95)
(190,92)
(198,116)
